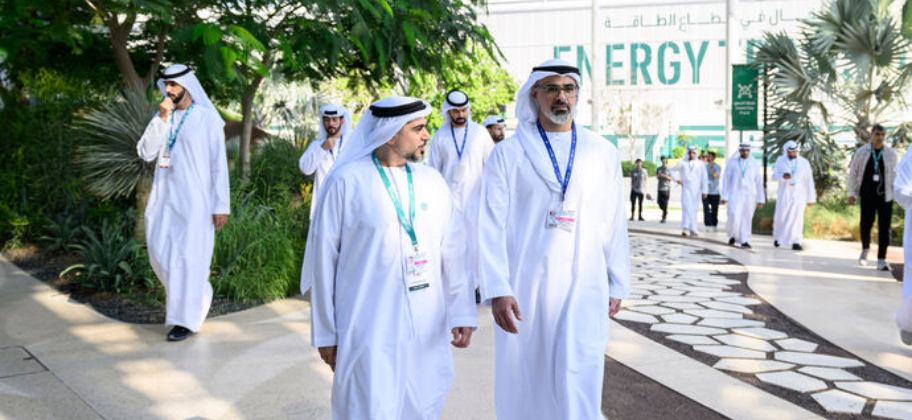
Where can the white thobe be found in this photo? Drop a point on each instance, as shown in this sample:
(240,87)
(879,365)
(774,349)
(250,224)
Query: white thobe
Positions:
(742,188)
(394,360)
(317,162)
(694,184)
(179,229)
(902,193)
(792,197)
(462,174)
(554,367)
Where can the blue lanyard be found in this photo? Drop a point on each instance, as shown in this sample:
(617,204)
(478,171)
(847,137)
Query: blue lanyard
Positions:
(876,158)
(394,196)
(794,164)
(172,137)
(565,181)
(744,165)
(340,146)
(465,135)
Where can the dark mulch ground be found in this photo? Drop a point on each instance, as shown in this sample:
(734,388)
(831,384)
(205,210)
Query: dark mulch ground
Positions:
(630,395)
(141,307)
(778,321)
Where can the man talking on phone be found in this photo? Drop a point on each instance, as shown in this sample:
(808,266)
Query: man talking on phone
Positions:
(189,198)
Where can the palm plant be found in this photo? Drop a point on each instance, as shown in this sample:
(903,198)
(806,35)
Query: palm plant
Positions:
(110,165)
(845,72)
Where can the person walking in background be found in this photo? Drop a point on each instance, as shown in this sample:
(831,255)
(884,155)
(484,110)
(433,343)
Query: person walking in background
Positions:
(711,200)
(742,192)
(690,174)
(638,176)
(796,193)
(871,175)
(663,176)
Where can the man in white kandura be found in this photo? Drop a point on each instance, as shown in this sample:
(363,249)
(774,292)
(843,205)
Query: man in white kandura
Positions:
(902,192)
(742,192)
(189,198)
(796,192)
(690,174)
(387,263)
(496,125)
(553,253)
(318,159)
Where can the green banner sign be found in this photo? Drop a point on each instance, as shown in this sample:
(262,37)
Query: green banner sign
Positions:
(744,98)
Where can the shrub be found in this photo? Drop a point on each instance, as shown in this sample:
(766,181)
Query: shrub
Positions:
(677,152)
(109,258)
(63,235)
(274,172)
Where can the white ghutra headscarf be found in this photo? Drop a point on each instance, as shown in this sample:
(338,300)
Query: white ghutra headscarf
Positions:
(183,76)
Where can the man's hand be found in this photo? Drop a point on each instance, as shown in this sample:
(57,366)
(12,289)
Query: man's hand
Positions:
(614,305)
(787,176)
(851,201)
(462,336)
(328,354)
(328,144)
(705,195)
(680,183)
(723,202)
(759,206)
(165,108)
(810,204)
(219,220)
(503,308)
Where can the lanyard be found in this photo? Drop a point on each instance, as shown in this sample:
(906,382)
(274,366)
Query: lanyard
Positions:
(744,164)
(465,135)
(394,195)
(340,146)
(876,159)
(172,137)
(565,181)
(794,164)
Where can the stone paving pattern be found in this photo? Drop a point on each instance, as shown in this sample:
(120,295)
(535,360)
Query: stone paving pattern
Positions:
(684,293)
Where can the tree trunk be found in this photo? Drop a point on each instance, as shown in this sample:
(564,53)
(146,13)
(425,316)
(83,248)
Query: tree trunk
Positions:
(143,188)
(120,34)
(247,127)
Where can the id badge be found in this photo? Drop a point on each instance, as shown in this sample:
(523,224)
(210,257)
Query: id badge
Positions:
(164,161)
(876,177)
(561,219)
(459,173)
(418,271)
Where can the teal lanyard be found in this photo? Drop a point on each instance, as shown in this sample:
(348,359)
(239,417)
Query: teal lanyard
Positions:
(876,159)
(172,137)
(744,165)
(406,223)
(794,166)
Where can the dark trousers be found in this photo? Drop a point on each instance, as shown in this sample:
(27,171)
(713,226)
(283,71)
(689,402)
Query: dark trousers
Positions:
(634,198)
(711,210)
(662,198)
(883,210)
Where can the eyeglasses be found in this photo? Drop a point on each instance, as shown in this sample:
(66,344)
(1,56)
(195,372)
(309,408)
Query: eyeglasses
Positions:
(554,90)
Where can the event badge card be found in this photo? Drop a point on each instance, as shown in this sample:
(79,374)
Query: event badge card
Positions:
(562,219)
(418,271)
(459,172)
(164,161)
(876,177)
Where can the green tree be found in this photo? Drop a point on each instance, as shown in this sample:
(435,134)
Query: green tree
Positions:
(845,70)
(376,41)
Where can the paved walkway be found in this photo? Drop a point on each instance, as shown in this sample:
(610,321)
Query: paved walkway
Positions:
(62,360)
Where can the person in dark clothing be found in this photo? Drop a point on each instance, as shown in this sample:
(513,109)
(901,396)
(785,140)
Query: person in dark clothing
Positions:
(664,180)
(871,179)
(711,202)
(638,177)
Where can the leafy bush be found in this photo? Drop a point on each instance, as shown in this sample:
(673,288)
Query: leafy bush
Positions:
(627,166)
(63,235)
(109,259)
(831,218)
(274,173)
(677,152)
(254,256)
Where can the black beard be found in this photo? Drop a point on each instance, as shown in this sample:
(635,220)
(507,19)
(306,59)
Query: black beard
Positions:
(178,98)
(499,138)
(459,121)
(332,130)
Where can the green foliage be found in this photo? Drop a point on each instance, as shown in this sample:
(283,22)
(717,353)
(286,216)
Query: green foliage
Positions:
(677,152)
(62,236)
(254,257)
(831,218)
(107,155)
(274,170)
(848,68)
(627,166)
(108,257)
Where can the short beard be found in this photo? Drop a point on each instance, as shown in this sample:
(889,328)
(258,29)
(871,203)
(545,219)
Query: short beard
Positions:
(176,100)
(499,138)
(559,118)
(413,157)
(332,130)
(459,121)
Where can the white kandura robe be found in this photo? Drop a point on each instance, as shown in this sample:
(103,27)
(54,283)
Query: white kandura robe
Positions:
(179,230)
(554,367)
(317,162)
(742,188)
(902,193)
(695,183)
(394,360)
(443,157)
(792,198)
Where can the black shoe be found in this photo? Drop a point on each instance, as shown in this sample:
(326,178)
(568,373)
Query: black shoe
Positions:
(797,247)
(641,219)
(663,220)
(731,241)
(631,218)
(477,296)
(776,243)
(179,333)
(746,245)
